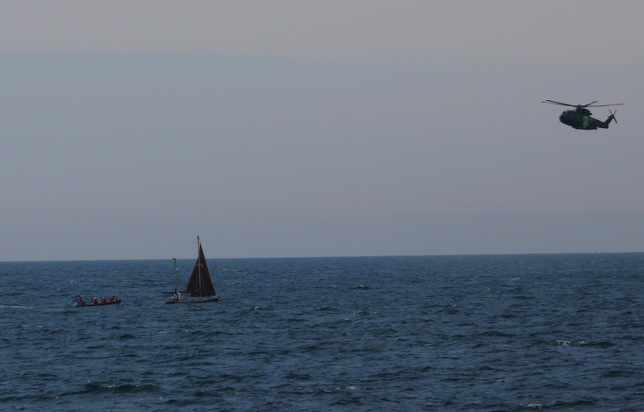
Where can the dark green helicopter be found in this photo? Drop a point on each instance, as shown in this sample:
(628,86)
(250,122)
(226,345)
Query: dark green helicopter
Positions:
(579,117)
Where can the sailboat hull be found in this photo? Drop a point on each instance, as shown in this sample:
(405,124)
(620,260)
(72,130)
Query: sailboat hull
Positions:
(186,298)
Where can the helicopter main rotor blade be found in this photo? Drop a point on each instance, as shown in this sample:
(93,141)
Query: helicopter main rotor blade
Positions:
(559,103)
(591,104)
(604,105)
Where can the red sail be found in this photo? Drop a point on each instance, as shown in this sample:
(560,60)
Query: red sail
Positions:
(200,283)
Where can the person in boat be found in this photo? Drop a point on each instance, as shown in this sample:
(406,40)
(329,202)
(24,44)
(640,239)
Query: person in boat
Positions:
(94,301)
(112,299)
(103,300)
(81,301)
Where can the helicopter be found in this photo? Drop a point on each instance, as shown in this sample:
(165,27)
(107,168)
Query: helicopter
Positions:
(579,117)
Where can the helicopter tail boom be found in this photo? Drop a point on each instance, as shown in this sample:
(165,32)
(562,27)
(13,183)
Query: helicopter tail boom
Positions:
(604,125)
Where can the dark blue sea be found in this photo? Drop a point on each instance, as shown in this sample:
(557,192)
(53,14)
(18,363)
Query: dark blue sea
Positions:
(434,333)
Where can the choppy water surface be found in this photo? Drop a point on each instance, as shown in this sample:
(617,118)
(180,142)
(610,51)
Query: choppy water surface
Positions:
(534,332)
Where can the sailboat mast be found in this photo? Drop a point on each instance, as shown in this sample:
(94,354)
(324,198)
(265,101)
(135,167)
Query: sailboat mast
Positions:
(174,260)
(199,260)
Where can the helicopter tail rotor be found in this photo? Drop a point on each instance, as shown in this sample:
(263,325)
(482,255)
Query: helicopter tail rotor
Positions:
(612,115)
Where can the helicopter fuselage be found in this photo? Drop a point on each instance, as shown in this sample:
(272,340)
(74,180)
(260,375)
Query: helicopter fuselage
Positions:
(580,119)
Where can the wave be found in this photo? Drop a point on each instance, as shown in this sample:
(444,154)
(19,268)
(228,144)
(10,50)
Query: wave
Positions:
(94,388)
(360,287)
(581,343)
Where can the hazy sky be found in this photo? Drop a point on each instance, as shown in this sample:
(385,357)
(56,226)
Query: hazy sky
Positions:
(317,128)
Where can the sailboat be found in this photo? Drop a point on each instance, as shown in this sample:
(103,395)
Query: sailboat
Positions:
(200,288)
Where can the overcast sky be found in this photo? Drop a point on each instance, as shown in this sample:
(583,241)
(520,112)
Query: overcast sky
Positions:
(317,128)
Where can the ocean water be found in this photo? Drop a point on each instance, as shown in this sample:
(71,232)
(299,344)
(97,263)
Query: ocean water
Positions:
(435,333)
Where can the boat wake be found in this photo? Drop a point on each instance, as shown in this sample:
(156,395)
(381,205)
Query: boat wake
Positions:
(15,307)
